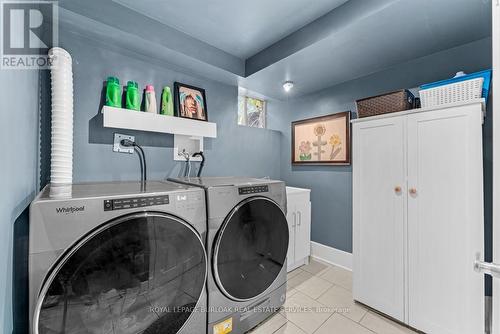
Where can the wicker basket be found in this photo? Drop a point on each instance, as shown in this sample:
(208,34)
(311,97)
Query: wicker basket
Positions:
(383,104)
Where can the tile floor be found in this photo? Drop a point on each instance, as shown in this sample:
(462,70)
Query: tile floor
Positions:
(319,301)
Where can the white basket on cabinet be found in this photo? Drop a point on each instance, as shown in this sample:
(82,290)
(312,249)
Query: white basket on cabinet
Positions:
(461,91)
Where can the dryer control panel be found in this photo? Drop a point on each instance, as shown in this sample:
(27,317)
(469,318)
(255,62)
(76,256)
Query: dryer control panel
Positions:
(135,202)
(253,190)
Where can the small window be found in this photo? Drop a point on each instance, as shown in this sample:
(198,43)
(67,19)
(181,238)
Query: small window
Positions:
(251,112)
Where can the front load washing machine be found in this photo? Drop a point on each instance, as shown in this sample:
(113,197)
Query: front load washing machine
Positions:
(247,245)
(115,259)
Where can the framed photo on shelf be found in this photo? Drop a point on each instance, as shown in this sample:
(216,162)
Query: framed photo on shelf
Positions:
(324,140)
(190,102)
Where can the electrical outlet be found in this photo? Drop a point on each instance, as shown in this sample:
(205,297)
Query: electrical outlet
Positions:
(118,147)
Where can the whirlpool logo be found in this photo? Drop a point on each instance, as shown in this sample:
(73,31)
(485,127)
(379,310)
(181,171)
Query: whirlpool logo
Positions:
(70,209)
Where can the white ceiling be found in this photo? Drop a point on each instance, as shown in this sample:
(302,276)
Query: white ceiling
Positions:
(239,27)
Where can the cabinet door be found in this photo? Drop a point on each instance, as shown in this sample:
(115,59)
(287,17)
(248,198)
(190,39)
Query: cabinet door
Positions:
(303,228)
(291,217)
(379,197)
(445,220)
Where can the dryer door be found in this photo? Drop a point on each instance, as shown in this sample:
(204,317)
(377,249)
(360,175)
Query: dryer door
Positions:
(251,248)
(142,273)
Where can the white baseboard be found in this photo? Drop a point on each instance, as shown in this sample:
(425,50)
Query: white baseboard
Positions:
(331,255)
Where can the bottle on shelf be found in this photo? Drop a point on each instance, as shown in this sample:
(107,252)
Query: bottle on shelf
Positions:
(150,102)
(167,102)
(132,96)
(113,92)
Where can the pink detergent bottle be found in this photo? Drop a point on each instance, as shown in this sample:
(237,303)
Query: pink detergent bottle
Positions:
(150,103)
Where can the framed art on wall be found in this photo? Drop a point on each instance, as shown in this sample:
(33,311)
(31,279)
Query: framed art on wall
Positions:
(190,102)
(324,140)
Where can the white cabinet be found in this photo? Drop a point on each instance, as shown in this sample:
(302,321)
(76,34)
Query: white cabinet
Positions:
(418,217)
(445,215)
(379,215)
(299,226)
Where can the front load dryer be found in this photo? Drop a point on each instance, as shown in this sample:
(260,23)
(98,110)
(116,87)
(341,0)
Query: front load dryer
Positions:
(115,259)
(247,245)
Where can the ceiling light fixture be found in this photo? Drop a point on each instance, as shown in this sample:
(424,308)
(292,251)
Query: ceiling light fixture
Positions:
(287,86)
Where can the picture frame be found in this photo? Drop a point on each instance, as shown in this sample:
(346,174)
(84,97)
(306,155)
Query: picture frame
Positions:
(324,140)
(190,102)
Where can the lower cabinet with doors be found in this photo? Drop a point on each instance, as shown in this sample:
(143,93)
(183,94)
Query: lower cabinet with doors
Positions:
(299,226)
(418,217)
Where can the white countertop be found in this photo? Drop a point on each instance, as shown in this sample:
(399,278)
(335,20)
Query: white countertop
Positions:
(294,190)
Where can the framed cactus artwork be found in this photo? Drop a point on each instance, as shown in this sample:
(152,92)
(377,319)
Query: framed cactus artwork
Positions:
(324,140)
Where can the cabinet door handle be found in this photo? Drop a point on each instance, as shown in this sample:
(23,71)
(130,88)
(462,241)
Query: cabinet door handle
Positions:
(397,189)
(413,191)
(487,268)
(300,217)
(294,219)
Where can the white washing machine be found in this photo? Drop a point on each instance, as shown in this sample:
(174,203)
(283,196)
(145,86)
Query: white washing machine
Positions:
(117,259)
(247,245)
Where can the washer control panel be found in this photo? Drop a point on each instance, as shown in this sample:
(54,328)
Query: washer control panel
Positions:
(135,202)
(253,190)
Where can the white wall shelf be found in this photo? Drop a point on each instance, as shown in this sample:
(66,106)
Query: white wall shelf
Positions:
(142,121)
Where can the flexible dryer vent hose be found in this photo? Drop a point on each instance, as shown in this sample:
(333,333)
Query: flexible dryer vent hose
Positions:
(61,164)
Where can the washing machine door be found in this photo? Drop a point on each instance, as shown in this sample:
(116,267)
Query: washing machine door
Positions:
(142,273)
(250,249)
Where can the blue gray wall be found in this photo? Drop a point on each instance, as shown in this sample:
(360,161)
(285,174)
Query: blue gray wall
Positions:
(332,186)
(236,151)
(18,169)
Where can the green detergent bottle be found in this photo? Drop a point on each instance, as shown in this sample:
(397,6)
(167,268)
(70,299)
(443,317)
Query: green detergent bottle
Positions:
(132,96)
(167,102)
(113,92)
